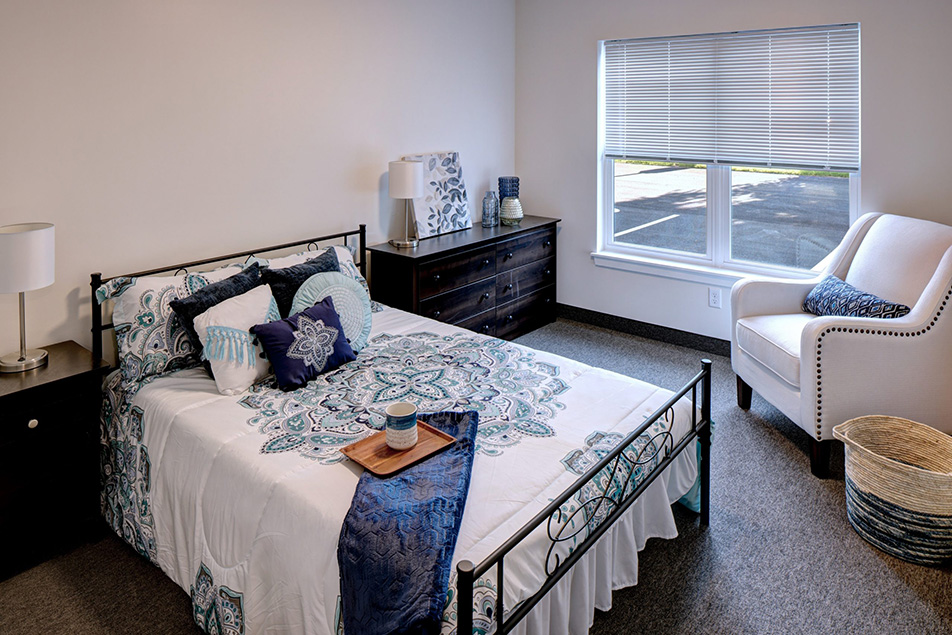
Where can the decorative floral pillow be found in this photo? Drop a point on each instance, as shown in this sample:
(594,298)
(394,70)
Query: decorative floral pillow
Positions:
(303,346)
(235,355)
(350,301)
(150,337)
(836,297)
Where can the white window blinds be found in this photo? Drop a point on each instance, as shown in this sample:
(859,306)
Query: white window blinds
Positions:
(784,98)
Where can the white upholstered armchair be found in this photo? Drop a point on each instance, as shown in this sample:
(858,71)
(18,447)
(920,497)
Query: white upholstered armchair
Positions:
(821,371)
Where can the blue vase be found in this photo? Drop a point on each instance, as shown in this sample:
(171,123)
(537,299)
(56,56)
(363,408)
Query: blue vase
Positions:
(508,187)
(490,209)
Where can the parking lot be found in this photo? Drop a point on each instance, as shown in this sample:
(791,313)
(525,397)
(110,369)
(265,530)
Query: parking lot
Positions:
(783,219)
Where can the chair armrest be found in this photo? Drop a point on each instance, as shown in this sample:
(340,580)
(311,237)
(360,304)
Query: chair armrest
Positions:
(909,323)
(767,297)
(853,366)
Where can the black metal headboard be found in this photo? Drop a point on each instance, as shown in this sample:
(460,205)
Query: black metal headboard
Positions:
(96,280)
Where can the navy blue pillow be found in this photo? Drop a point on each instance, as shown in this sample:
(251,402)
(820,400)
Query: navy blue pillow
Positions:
(835,297)
(285,282)
(303,346)
(190,307)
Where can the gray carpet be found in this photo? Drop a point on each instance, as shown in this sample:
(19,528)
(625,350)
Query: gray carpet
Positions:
(778,557)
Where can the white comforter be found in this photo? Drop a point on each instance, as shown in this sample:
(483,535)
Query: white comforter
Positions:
(250,528)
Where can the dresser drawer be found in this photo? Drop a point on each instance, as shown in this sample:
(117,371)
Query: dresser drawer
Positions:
(526,313)
(462,277)
(484,323)
(449,273)
(522,250)
(460,304)
(524,280)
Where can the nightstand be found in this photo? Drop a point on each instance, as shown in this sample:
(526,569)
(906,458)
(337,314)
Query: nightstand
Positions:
(497,281)
(49,455)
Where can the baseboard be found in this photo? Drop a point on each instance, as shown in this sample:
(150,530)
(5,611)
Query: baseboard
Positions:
(701,343)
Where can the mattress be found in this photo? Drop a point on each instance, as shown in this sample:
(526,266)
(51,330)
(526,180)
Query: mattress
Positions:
(240,499)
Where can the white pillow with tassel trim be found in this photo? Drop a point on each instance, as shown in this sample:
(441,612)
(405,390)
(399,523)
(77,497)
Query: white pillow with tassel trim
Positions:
(228,344)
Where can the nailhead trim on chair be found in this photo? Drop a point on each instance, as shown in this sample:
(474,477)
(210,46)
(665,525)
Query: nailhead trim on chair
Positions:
(839,329)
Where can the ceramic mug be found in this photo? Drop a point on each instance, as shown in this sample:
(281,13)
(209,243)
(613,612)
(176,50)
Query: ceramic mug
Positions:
(401,425)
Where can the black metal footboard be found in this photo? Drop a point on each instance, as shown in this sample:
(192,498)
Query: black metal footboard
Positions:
(601,509)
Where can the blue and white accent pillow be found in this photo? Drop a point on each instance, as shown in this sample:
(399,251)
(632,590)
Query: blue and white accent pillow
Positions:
(350,301)
(149,335)
(200,300)
(235,355)
(305,345)
(836,297)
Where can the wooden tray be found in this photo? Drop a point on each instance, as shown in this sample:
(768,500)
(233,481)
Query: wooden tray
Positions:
(378,457)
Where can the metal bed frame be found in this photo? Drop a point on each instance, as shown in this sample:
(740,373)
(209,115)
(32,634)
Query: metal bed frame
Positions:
(622,461)
(620,464)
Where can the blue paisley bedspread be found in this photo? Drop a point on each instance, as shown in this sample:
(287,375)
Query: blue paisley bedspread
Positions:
(241,499)
(398,538)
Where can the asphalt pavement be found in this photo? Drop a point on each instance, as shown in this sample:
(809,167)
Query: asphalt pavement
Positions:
(778,219)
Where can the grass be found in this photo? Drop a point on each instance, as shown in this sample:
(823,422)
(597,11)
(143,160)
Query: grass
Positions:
(737,168)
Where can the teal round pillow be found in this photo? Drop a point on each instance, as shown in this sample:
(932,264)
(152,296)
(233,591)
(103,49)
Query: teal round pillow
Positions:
(350,301)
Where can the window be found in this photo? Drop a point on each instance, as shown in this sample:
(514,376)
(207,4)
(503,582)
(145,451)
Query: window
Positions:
(738,150)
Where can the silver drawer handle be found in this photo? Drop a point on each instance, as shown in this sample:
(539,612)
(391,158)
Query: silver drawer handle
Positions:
(485,262)
(32,423)
(436,314)
(508,287)
(547,243)
(484,296)
(547,272)
(436,277)
(508,255)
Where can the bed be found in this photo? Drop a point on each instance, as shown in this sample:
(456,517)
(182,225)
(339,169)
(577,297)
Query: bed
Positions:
(240,498)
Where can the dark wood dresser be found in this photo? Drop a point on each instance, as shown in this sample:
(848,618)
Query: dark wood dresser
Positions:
(497,281)
(49,456)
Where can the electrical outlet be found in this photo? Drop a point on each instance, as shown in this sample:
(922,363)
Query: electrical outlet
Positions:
(714,297)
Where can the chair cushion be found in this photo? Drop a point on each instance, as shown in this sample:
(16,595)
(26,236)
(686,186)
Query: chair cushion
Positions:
(774,341)
(835,297)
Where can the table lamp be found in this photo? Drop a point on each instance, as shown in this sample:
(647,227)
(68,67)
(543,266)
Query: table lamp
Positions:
(27,262)
(406,182)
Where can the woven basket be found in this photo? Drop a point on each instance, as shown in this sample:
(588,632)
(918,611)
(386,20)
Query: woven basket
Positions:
(899,486)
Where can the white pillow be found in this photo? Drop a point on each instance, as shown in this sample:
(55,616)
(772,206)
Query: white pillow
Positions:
(343,253)
(345,257)
(227,342)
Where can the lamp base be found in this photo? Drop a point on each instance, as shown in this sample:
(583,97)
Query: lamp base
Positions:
(405,244)
(16,363)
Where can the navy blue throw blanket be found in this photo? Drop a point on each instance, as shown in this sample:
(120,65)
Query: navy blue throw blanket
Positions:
(398,538)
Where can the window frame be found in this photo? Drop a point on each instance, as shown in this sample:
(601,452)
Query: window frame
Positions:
(715,265)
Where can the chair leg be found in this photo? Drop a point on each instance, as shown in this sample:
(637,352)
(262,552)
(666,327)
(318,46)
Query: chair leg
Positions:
(744,394)
(820,457)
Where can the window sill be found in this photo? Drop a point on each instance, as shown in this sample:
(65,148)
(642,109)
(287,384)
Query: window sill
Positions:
(688,272)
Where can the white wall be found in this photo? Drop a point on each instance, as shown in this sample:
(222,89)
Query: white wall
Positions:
(906,124)
(157,132)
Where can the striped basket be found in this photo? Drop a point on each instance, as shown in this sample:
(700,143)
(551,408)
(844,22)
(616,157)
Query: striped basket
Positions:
(899,486)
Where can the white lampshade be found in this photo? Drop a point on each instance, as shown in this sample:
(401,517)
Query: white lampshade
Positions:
(406,179)
(27,257)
